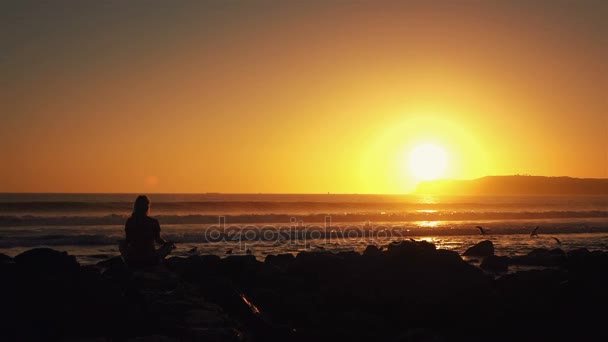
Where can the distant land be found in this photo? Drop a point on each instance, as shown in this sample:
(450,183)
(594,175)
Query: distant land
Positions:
(516,185)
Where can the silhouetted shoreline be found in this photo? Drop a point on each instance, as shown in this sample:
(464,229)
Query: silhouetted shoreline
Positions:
(410,291)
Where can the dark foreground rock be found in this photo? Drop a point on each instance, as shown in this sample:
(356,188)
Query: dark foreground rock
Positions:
(46,296)
(495,263)
(483,249)
(542,257)
(410,291)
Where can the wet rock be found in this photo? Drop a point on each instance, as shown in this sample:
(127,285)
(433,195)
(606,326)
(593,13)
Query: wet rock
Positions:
(495,263)
(483,249)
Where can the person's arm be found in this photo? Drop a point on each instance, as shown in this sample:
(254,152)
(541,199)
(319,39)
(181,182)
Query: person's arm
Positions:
(127,235)
(157,236)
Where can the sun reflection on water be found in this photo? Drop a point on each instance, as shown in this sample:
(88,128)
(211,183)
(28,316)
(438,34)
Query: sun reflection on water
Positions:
(429,224)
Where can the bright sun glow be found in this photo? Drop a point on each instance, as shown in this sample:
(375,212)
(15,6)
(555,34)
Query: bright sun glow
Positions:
(428,161)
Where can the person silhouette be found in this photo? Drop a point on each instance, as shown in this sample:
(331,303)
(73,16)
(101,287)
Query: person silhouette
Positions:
(142,233)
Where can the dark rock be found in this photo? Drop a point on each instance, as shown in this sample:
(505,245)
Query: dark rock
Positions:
(114,268)
(411,248)
(5,258)
(541,257)
(282,261)
(495,263)
(372,250)
(350,256)
(99,256)
(111,262)
(448,258)
(46,260)
(557,253)
(579,254)
(483,249)
(194,267)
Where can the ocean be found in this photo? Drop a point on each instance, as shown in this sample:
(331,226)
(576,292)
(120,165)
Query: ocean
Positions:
(89,226)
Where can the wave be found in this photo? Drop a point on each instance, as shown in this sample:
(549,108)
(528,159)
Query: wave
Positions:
(284,235)
(116,219)
(307,207)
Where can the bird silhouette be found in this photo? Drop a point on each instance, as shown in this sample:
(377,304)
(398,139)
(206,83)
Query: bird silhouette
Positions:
(535,231)
(556,240)
(481,230)
(229,251)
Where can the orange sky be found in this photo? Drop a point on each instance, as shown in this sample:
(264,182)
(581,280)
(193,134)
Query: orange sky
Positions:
(307,97)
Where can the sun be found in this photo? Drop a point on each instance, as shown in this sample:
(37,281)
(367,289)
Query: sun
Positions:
(428,161)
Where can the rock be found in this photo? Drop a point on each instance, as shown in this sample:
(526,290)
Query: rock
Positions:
(350,256)
(495,263)
(483,249)
(153,338)
(282,261)
(372,250)
(47,261)
(111,262)
(557,253)
(5,258)
(541,257)
(578,255)
(410,248)
(448,258)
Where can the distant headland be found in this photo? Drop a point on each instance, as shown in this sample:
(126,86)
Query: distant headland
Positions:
(516,185)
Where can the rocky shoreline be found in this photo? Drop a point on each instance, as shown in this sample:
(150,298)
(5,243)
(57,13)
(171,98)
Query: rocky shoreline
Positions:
(407,291)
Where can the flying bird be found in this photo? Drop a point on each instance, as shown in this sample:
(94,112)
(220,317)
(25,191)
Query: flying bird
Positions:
(481,230)
(535,231)
(556,240)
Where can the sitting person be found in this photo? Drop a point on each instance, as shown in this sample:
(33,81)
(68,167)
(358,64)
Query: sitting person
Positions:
(142,232)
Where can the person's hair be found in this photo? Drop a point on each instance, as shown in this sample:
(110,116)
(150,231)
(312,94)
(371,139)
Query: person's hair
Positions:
(141,206)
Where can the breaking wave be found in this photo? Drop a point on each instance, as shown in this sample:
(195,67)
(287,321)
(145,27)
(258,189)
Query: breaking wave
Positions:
(431,215)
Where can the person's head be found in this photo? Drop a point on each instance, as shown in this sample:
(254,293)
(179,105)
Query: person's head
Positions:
(141,206)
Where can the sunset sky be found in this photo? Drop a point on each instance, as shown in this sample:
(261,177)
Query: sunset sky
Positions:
(297,97)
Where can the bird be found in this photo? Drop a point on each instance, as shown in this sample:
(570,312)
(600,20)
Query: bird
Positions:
(229,251)
(556,240)
(412,240)
(193,250)
(534,232)
(481,230)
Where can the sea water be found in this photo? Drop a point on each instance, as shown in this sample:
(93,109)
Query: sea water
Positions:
(89,226)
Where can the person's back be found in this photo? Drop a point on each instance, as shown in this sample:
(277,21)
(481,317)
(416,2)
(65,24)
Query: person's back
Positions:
(142,232)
